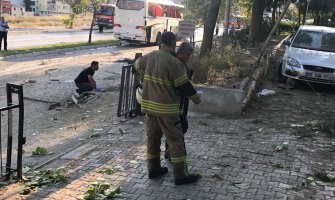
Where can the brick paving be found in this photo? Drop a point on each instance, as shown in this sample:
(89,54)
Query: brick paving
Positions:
(235,156)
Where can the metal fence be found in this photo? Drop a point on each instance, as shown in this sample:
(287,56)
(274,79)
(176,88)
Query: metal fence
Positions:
(8,169)
(128,105)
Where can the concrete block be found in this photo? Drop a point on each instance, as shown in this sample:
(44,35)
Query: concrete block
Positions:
(219,101)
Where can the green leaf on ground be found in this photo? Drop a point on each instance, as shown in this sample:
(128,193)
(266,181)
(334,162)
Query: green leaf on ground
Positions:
(106,171)
(98,190)
(40,151)
(283,146)
(45,178)
(122,131)
(277,165)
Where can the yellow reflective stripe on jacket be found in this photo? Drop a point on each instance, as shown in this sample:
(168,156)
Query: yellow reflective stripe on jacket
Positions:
(160,108)
(152,156)
(157,80)
(138,69)
(179,81)
(180,159)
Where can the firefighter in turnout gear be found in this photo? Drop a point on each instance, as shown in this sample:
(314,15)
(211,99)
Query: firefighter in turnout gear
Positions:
(164,82)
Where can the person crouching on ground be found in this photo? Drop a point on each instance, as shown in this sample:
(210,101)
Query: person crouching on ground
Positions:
(164,81)
(85,81)
(184,53)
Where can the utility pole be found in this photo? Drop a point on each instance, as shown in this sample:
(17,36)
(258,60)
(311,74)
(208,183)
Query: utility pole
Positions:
(227,16)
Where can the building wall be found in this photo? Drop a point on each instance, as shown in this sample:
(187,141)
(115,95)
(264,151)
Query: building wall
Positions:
(51,7)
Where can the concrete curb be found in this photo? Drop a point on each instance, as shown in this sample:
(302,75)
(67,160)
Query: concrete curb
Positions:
(55,51)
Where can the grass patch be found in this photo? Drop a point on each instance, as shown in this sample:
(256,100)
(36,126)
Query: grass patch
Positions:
(47,21)
(55,46)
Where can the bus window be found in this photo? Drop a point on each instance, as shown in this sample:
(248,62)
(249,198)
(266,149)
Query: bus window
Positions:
(130,4)
(178,15)
(155,10)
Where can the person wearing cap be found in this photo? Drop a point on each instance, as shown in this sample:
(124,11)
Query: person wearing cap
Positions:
(164,82)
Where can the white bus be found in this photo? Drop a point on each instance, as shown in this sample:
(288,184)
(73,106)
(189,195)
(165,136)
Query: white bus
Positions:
(144,21)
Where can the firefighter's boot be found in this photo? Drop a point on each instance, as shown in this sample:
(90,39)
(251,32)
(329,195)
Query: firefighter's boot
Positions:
(180,172)
(155,169)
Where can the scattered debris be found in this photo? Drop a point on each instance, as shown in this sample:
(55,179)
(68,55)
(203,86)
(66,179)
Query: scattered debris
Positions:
(297,125)
(30,81)
(127,60)
(283,146)
(277,165)
(54,79)
(217,176)
(44,178)
(324,176)
(122,131)
(266,92)
(310,181)
(54,105)
(95,135)
(101,191)
(241,185)
(25,169)
(40,151)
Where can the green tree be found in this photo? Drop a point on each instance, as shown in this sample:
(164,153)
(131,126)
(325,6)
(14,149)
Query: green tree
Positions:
(77,7)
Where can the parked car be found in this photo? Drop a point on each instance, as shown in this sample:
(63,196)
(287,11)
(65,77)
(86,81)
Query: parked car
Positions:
(310,55)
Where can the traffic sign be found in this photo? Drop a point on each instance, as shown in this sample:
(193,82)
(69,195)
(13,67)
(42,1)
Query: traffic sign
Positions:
(186,29)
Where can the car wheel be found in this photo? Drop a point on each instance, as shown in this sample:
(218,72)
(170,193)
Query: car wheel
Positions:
(281,77)
(101,29)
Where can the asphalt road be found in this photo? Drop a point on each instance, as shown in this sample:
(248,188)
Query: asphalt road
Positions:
(28,38)
(23,38)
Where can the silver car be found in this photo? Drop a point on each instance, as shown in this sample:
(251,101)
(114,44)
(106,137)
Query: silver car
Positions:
(310,55)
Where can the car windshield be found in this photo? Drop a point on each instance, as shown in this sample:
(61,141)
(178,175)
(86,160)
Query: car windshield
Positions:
(104,10)
(314,40)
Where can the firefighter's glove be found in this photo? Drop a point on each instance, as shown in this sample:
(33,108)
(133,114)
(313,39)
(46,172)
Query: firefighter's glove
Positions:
(196,98)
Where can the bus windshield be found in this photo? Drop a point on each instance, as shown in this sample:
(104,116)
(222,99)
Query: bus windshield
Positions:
(130,4)
(104,10)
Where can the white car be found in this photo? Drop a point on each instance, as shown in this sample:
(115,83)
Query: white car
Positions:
(310,55)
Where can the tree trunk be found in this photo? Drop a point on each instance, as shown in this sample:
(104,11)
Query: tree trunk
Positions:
(256,22)
(304,10)
(91,28)
(274,8)
(274,29)
(207,40)
(212,14)
(299,13)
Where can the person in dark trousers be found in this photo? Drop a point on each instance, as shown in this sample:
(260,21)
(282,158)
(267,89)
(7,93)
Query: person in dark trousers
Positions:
(164,81)
(217,29)
(184,53)
(3,32)
(85,81)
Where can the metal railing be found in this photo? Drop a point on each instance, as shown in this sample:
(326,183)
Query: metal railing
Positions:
(128,105)
(6,173)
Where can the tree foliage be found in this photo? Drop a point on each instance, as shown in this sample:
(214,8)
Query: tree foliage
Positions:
(77,7)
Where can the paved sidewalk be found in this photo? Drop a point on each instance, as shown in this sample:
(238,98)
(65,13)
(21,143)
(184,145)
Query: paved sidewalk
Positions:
(236,157)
